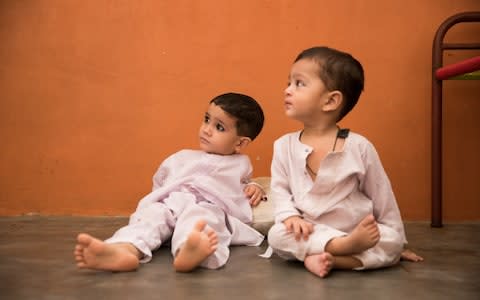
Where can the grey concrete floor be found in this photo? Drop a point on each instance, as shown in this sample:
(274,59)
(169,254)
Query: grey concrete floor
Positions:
(36,262)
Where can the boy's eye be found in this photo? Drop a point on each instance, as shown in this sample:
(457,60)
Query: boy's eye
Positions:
(206,119)
(299,83)
(220,127)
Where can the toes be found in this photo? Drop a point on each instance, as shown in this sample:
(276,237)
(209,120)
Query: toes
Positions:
(200,225)
(211,234)
(368,220)
(214,241)
(83,239)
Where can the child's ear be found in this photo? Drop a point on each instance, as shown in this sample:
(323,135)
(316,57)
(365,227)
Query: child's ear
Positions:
(334,101)
(242,143)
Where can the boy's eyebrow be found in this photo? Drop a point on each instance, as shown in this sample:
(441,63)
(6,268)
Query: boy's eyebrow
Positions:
(222,123)
(217,120)
(297,76)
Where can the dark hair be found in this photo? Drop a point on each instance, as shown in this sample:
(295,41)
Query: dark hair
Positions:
(245,109)
(339,71)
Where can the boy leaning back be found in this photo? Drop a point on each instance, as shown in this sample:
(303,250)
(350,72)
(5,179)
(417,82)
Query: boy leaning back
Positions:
(334,205)
(201,199)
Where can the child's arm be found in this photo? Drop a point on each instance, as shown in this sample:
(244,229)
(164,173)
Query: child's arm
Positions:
(280,190)
(376,186)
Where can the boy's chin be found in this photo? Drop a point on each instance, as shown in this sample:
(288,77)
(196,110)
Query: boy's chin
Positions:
(210,151)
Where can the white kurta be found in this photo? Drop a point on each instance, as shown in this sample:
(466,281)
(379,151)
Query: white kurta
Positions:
(350,185)
(188,186)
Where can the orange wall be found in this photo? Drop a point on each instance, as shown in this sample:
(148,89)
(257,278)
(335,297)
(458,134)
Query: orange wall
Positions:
(95,94)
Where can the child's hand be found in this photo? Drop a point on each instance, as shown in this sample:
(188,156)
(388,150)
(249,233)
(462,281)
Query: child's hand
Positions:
(299,227)
(409,255)
(255,194)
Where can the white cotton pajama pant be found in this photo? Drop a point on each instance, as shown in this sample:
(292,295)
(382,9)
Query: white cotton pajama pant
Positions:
(154,224)
(385,253)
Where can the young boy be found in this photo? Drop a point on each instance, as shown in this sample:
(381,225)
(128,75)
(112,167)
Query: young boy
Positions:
(334,206)
(200,200)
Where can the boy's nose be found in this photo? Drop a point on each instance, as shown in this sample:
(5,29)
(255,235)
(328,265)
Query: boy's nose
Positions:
(207,129)
(287,90)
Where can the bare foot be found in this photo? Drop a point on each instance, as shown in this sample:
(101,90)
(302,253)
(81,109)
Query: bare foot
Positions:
(363,237)
(198,246)
(92,253)
(319,264)
(409,255)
